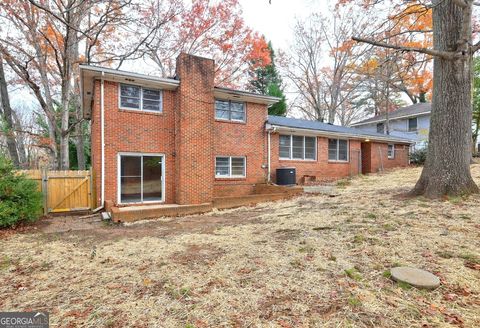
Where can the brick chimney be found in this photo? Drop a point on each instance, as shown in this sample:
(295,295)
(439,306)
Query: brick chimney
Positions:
(194,119)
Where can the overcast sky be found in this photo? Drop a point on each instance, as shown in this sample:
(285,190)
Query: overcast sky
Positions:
(277,19)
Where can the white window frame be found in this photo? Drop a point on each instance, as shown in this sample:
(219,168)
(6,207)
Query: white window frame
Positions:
(391,156)
(141,99)
(338,151)
(408,124)
(290,158)
(119,174)
(230,111)
(230,176)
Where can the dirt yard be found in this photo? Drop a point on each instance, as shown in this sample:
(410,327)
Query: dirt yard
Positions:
(314,261)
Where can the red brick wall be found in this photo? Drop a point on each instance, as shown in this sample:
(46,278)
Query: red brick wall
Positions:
(379,157)
(187,133)
(242,139)
(194,130)
(321,168)
(131,131)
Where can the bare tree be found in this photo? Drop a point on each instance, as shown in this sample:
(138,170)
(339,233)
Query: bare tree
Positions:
(44,42)
(322,66)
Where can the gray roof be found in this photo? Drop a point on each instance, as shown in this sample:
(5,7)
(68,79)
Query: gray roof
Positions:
(403,112)
(331,129)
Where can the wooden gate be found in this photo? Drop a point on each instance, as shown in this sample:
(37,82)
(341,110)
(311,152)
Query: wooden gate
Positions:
(63,191)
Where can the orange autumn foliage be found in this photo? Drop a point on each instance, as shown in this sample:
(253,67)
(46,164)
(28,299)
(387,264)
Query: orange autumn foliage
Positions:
(410,25)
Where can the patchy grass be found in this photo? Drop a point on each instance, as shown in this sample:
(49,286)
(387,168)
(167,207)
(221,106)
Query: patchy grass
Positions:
(311,261)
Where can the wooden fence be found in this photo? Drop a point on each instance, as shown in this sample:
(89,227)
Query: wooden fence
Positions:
(64,191)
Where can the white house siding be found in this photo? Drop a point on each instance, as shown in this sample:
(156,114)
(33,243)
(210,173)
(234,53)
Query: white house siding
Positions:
(399,128)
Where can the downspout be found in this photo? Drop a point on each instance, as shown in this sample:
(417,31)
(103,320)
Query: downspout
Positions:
(102,136)
(268,156)
(270,130)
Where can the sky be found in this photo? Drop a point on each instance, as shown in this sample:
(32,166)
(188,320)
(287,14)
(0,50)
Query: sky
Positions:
(276,20)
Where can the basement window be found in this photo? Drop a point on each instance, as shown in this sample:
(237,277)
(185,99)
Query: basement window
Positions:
(297,147)
(229,110)
(338,150)
(230,167)
(391,151)
(137,98)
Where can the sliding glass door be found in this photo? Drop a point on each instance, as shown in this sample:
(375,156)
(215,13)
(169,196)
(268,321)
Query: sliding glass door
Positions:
(141,178)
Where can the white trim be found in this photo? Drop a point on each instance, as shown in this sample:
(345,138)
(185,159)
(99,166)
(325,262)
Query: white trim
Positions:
(141,99)
(269,151)
(291,148)
(338,151)
(105,70)
(238,95)
(230,176)
(102,136)
(393,151)
(392,119)
(119,185)
(334,135)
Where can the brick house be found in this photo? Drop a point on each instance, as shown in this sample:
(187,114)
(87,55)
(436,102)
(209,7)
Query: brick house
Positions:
(184,141)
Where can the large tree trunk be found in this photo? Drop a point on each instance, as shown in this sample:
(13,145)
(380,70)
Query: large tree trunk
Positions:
(447,168)
(7,117)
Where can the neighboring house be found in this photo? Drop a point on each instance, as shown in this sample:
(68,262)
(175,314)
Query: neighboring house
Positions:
(184,141)
(411,122)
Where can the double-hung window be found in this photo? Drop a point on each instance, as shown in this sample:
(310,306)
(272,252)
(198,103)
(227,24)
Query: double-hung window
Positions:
(391,151)
(297,147)
(230,167)
(229,110)
(139,98)
(338,150)
(412,124)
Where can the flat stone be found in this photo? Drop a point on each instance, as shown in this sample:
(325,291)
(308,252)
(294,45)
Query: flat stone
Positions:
(415,277)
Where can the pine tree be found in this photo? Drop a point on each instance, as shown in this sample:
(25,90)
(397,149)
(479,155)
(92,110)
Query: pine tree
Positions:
(266,80)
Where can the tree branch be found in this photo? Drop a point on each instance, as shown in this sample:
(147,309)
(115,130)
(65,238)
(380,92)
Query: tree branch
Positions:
(443,54)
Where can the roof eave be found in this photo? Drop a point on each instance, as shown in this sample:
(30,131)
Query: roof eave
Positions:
(230,94)
(391,119)
(88,74)
(321,133)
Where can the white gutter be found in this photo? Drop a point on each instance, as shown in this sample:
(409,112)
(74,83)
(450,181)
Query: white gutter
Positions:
(104,70)
(391,119)
(336,134)
(102,136)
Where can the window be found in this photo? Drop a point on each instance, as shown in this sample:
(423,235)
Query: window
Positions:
(285,144)
(229,110)
(391,151)
(380,128)
(141,178)
(230,167)
(138,98)
(297,147)
(338,150)
(412,124)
